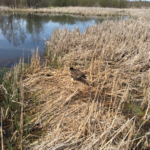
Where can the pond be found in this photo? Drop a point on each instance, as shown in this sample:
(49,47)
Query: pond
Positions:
(22,32)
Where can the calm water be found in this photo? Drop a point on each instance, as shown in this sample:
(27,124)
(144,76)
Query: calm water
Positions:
(21,33)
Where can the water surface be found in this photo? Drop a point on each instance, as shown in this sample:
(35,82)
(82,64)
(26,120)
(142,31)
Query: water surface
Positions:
(20,33)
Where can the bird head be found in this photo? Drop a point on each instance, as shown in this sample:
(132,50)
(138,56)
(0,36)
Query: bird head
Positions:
(71,68)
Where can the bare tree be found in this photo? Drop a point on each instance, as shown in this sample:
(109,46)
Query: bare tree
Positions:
(37,3)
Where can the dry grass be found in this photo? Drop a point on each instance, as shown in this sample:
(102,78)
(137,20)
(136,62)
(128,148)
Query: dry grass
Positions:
(4,8)
(85,11)
(116,59)
(142,14)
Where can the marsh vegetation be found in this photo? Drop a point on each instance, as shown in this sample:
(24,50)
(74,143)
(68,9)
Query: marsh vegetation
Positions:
(52,112)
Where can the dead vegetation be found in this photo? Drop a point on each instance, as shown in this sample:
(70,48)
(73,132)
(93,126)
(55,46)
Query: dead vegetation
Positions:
(115,57)
(85,11)
(142,13)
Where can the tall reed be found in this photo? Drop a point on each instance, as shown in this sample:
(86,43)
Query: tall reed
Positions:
(115,57)
(73,115)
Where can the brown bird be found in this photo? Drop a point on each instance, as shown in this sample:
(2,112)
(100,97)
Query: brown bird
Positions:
(76,74)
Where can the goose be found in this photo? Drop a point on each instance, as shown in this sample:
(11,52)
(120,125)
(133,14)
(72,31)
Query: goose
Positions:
(76,74)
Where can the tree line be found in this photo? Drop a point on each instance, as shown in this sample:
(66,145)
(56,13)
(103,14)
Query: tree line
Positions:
(62,3)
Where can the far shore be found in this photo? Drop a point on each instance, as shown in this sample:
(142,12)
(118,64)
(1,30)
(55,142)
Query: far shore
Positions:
(142,13)
(84,11)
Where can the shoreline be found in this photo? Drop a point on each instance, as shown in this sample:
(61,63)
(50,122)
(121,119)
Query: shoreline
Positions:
(141,13)
(83,11)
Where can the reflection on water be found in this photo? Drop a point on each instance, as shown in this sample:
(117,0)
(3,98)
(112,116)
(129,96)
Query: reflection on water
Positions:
(20,33)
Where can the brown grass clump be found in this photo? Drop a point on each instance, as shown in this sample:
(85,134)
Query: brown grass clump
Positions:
(113,111)
(4,8)
(118,44)
(142,14)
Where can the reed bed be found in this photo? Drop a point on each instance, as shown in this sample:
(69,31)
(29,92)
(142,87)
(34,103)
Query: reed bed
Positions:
(85,11)
(111,113)
(115,57)
(142,14)
(4,8)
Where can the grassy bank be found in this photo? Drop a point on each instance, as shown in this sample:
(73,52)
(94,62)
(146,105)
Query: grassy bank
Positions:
(84,11)
(111,113)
